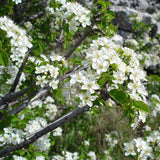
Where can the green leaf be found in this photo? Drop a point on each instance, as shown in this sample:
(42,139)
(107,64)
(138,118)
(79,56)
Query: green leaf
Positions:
(103,4)
(66,27)
(130,119)
(102,81)
(108,3)
(99,101)
(3,58)
(53,36)
(0,45)
(66,45)
(104,77)
(103,25)
(41,46)
(36,53)
(119,95)
(21,152)
(125,114)
(141,106)
(37,153)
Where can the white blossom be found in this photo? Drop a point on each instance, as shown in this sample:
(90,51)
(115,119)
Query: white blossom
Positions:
(129,148)
(57,132)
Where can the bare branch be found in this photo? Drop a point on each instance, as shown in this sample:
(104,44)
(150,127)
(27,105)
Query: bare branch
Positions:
(21,107)
(78,43)
(22,99)
(12,97)
(45,130)
(13,88)
(40,93)
(98,30)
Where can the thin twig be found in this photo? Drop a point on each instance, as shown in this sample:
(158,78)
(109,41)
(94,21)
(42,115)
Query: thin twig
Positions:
(34,16)
(45,130)
(20,108)
(98,30)
(59,40)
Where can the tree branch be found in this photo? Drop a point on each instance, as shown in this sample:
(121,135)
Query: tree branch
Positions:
(25,104)
(45,130)
(12,97)
(84,36)
(19,73)
(78,43)
(22,106)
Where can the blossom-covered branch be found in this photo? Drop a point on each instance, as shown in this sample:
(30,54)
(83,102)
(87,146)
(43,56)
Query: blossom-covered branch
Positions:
(45,130)
(83,37)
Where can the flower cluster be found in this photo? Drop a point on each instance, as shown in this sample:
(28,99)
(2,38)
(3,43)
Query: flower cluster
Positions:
(146,59)
(111,139)
(66,156)
(20,43)
(151,59)
(103,53)
(57,132)
(70,156)
(35,125)
(12,136)
(86,143)
(40,158)
(154,104)
(47,73)
(51,107)
(104,56)
(17,1)
(92,155)
(48,103)
(18,157)
(147,46)
(42,143)
(131,43)
(74,14)
(34,104)
(144,149)
(86,81)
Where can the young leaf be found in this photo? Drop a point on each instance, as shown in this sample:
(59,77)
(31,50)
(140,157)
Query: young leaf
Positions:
(141,106)
(103,4)
(119,95)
